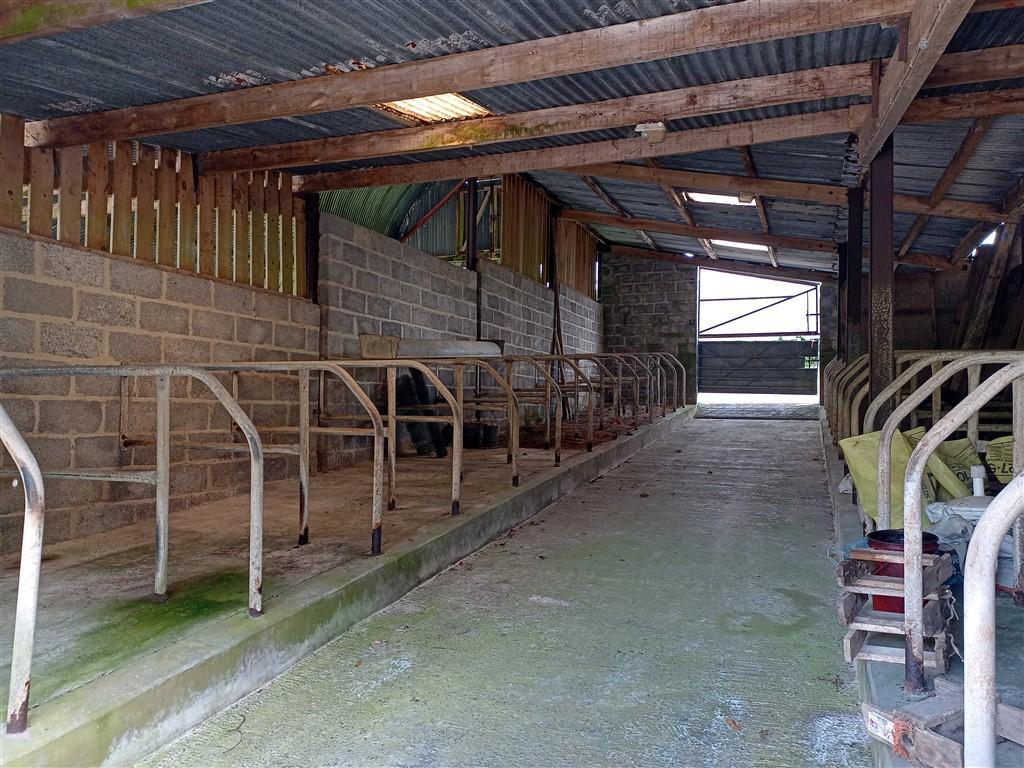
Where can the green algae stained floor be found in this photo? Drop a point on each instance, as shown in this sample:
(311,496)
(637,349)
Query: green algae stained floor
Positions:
(676,612)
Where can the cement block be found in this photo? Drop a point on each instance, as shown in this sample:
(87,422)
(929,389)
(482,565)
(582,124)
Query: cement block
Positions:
(73,265)
(213,325)
(135,279)
(67,340)
(70,416)
(17,335)
(17,254)
(253,331)
(188,289)
(36,298)
(106,309)
(126,347)
(163,318)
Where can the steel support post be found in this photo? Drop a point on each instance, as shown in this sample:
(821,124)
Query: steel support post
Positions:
(880,344)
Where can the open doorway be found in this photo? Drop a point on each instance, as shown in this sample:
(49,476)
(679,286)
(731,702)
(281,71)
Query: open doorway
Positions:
(758,341)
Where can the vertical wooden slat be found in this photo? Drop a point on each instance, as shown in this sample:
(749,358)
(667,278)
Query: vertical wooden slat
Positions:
(96,196)
(40,200)
(300,247)
(207,226)
(12,170)
(186,213)
(257,192)
(240,204)
(287,238)
(272,202)
(69,214)
(145,188)
(222,185)
(167,203)
(121,181)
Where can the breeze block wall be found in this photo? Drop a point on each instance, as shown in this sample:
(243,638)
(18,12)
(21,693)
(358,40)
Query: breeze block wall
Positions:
(370,283)
(63,304)
(651,306)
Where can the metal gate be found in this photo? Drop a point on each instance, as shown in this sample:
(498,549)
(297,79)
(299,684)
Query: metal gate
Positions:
(758,367)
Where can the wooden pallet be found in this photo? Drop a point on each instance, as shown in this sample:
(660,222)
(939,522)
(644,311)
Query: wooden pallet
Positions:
(859,582)
(933,727)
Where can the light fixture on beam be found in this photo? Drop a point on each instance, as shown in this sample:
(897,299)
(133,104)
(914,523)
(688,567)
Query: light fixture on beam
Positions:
(653,132)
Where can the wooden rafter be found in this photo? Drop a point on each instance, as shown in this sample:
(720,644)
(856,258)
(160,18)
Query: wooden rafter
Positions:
(980,313)
(741,23)
(750,93)
(928,31)
(711,233)
(826,194)
(960,159)
(724,265)
(679,200)
(1011,205)
(608,200)
(762,213)
(675,143)
(43,18)
(678,142)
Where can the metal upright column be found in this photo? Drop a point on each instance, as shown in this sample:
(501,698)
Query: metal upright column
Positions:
(163,484)
(842,318)
(880,346)
(854,272)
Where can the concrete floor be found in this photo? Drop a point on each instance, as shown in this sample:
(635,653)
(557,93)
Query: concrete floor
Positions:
(678,611)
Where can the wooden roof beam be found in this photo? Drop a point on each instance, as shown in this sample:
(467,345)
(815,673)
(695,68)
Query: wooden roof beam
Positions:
(826,194)
(960,159)
(762,213)
(608,200)
(923,39)
(679,200)
(740,267)
(675,143)
(749,93)
(676,34)
(688,230)
(44,18)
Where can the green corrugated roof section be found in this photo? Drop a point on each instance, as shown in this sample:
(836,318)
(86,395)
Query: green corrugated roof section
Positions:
(381,209)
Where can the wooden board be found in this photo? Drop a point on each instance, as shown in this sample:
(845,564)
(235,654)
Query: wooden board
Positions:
(145,190)
(12,170)
(258,226)
(240,204)
(272,201)
(225,236)
(96,196)
(69,213)
(287,236)
(121,178)
(884,556)
(301,254)
(186,213)
(207,226)
(167,201)
(40,200)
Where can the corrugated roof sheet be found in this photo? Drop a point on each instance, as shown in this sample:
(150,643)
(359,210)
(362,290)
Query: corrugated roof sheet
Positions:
(231,44)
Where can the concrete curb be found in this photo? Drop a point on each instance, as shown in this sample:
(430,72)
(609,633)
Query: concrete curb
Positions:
(128,713)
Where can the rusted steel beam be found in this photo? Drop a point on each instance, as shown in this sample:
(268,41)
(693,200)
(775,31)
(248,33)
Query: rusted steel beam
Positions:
(854,271)
(880,346)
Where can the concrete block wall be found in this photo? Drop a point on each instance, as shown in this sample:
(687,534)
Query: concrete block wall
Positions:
(63,304)
(651,306)
(370,283)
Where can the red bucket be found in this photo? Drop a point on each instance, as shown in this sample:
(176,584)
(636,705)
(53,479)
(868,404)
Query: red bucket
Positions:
(891,540)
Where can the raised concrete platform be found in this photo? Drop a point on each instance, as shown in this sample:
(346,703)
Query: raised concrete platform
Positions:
(881,684)
(145,674)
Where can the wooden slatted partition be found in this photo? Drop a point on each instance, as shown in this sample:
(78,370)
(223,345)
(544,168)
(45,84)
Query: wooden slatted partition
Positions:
(577,257)
(524,227)
(149,203)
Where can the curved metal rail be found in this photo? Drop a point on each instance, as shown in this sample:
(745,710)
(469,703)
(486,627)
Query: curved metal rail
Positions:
(28,575)
(912,501)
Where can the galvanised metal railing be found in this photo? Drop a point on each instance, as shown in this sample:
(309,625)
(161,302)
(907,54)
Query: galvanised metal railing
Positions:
(1009,375)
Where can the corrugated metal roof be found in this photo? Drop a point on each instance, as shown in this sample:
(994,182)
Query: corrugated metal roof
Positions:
(230,44)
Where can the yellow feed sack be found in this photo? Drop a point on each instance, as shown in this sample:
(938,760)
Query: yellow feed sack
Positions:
(950,465)
(861,454)
(999,456)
